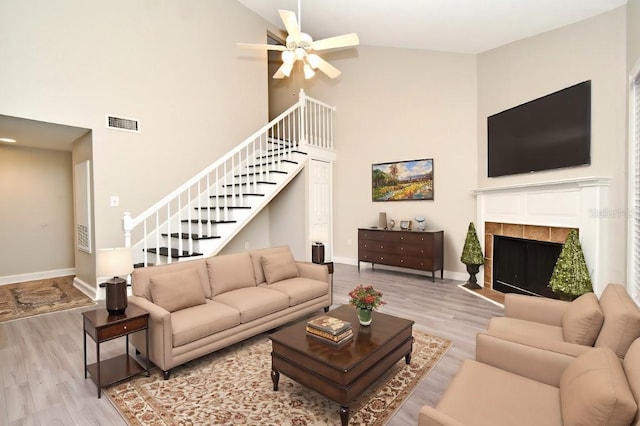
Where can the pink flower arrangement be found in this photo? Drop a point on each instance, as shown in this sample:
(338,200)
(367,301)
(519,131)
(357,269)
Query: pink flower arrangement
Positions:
(366,297)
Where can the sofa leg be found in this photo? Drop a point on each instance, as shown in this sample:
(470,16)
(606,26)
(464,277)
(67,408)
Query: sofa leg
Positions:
(326,308)
(166,374)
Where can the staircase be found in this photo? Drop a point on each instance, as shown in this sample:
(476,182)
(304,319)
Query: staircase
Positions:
(204,214)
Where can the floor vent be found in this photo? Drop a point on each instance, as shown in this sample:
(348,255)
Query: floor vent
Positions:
(122,124)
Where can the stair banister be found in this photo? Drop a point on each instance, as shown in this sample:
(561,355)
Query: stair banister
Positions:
(308,120)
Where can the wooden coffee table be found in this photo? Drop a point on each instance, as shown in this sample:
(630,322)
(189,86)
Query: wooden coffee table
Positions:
(341,374)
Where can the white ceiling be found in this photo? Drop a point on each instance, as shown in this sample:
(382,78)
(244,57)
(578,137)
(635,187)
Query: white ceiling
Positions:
(464,26)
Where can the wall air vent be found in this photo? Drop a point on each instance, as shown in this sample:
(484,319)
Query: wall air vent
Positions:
(126,124)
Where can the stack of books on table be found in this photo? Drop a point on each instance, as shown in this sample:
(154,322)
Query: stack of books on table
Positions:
(333,331)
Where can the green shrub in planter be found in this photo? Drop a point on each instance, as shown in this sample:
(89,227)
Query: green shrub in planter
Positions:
(570,277)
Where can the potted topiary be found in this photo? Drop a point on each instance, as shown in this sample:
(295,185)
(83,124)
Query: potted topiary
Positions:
(570,277)
(472,256)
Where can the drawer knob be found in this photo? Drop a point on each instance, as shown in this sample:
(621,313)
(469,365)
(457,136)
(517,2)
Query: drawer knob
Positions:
(125,327)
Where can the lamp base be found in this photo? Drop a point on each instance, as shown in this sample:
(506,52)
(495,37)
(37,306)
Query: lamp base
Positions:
(116,296)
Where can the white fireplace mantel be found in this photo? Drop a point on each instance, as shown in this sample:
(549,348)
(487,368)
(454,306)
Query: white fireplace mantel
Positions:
(571,203)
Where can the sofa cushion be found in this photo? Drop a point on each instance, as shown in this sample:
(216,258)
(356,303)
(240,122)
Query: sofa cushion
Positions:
(177,290)
(594,391)
(516,330)
(621,324)
(256,260)
(141,277)
(189,325)
(582,320)
(254,302)
(482,395)
(278,267)
(301,290)
(230,272)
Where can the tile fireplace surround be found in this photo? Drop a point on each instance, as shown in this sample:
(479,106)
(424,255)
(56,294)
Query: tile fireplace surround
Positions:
(546,211)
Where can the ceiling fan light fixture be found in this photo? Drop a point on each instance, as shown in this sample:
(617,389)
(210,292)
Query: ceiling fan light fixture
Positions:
(308,71)
(300,53)
(286,68)
(288,57)
(313,60)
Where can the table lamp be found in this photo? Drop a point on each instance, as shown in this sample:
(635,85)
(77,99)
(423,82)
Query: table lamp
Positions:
(115,262)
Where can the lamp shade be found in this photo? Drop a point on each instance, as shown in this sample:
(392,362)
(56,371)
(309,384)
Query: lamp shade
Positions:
(114,262)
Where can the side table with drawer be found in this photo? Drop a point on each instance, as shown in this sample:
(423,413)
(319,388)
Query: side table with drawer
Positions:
(101,327)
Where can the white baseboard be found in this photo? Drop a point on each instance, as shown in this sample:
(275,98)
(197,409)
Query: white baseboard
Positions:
(43,275)
(450,275)
(87,289)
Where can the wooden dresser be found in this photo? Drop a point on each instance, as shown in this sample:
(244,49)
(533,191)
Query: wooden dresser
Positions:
(423,250)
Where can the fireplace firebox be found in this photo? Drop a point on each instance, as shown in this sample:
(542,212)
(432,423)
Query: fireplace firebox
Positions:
(524,266)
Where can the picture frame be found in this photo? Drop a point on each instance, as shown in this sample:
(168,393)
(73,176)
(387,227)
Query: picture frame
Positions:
(410,180)
(405,225)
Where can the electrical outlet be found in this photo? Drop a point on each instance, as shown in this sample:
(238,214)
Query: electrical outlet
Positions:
(114,201)
(349,242)
(246,245)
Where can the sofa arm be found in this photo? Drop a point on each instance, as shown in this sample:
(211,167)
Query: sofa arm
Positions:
(429,416)
(544,365)
(314,271)
(160,333)
(533,308)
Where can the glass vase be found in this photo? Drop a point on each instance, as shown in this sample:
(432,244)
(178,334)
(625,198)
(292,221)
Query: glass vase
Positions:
(364,316)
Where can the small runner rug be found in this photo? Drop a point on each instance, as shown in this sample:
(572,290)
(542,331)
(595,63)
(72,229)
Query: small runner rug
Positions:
(233,387)
(40,297)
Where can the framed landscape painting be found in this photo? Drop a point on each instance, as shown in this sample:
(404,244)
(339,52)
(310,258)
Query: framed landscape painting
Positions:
(402,180)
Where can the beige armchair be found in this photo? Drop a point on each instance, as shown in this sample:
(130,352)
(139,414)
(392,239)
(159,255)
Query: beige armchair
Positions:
(594,389)
(570,328)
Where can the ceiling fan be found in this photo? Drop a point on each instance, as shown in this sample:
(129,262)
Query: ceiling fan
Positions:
(300,47)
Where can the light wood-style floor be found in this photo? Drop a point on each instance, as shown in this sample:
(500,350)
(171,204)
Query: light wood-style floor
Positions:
(42,382)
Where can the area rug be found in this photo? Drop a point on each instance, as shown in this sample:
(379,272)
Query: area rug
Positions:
(40,297)
(233,387)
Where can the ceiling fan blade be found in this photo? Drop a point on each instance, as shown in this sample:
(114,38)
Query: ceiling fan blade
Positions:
(262,46)
(290,23)
(324,66)
(345,40)
(283,71)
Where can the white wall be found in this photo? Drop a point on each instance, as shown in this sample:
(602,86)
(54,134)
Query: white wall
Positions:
(36,211)
(594,49)
(402,104)
(172,65)
(633,33)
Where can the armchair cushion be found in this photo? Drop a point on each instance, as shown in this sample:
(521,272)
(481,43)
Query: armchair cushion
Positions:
(279,266)
(621,320)
(582,320)
(177,290)
(594,391)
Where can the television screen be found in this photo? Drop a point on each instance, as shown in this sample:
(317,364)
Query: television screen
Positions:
(550,132)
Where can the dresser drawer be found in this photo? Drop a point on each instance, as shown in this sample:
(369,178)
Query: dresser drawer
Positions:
(120,329)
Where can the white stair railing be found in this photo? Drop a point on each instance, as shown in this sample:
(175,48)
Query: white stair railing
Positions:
(195,211)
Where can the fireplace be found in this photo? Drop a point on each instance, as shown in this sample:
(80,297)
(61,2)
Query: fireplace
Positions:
(545,212)
(523,266)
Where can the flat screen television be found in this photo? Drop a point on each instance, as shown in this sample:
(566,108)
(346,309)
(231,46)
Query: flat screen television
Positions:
(550,132)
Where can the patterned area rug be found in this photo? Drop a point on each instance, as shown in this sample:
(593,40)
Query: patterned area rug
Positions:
(40,297)
(233,386)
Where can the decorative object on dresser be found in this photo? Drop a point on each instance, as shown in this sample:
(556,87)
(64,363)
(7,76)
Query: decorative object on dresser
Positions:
(116,263)
(382,220)
(420,220)
(472,256)
(405,225)
(414,250)
(570,277)
(392,224)
(402,180)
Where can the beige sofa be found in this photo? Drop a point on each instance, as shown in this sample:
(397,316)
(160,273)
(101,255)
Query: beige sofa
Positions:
(595,389)
(197,307)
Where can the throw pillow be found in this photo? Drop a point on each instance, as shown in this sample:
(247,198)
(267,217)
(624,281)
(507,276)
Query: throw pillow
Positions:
(278,267)
(594,391)
(621,319)
(230,272)
(582,320)
(177,290)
